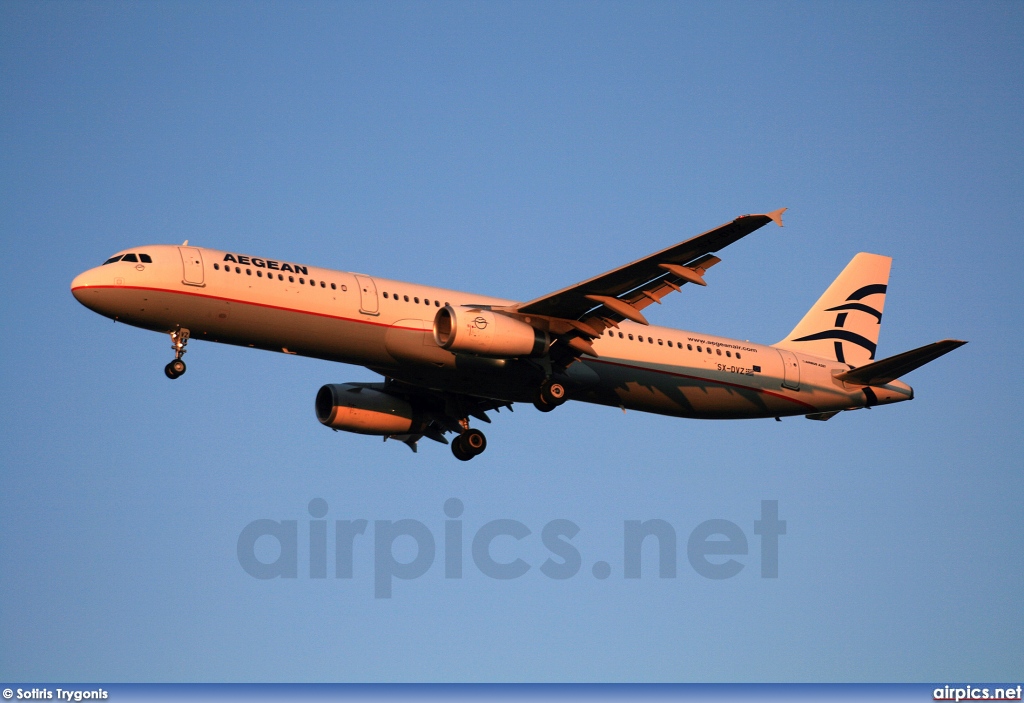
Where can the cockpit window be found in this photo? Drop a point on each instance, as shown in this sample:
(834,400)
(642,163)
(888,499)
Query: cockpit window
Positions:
(112,259)
(145,258)
(131,257)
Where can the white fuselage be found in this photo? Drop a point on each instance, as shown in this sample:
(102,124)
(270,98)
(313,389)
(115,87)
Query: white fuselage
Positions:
(386,325)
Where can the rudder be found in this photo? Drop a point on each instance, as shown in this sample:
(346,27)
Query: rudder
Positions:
(844,324)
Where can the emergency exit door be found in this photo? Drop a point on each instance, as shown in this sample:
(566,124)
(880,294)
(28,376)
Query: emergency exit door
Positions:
(367,294)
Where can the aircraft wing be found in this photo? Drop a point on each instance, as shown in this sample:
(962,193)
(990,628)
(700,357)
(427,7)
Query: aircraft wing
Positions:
(644,281)
(580,313)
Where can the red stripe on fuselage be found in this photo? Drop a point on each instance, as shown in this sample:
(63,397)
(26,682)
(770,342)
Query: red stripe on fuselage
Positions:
(249,302)
(417,329)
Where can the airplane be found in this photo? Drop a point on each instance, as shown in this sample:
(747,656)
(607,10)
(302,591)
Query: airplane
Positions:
(448,356)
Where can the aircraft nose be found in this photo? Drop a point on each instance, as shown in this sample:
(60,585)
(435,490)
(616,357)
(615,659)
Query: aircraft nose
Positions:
(80,283)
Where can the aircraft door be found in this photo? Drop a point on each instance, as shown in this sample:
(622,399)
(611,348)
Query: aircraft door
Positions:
(790,370)
(367,295)
(192,266)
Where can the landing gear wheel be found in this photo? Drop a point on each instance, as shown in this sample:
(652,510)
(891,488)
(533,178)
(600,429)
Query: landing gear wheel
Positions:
(468,444)
(459,451)
(175,369)
(474,441)
(551,394)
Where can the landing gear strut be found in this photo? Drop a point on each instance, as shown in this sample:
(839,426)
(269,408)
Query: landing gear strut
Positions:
(469,444)
(550,395)
(178,341)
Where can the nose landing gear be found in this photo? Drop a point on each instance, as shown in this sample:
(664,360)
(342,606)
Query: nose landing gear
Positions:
(175,368)
(469,444)
(178,341)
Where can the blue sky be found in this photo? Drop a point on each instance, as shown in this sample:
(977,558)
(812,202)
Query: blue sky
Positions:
(511,149)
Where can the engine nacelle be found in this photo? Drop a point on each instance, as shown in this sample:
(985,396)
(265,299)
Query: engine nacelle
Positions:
(366,410)
(487,333)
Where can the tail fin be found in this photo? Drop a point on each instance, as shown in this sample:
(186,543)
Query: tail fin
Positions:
(844,323)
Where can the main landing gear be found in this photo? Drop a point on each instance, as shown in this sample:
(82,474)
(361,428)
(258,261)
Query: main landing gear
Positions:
(178,341)
(469,444)
(550,395)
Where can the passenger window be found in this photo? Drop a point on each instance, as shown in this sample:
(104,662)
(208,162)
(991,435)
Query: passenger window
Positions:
(334,286)
(416,299)
(728,353)
(698,348)
(248,272)
(631,337)
(659,342)
(344,287)
(131,257)
(437,304)
(620,335)
(709,350)
(406,298)
(718,351)
(112,259)
(259,274)
(238,270)
(302,280)
(216,267)
(738,355)
(291,279)
(689,347)
(144,258)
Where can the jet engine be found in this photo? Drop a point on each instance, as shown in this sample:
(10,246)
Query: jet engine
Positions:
(486,333)
(363,409)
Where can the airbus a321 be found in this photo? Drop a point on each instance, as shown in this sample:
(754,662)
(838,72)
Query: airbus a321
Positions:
(449,357)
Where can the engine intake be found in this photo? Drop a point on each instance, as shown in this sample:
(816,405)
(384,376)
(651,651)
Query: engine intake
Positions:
(366,410)
(487,333)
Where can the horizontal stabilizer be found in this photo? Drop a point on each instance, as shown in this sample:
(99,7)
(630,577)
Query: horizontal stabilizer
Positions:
(881,372)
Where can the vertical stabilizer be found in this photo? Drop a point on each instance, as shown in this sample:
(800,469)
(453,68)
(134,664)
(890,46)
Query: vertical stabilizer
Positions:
(844,323)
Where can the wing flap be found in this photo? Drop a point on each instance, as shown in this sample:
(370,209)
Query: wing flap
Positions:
(673,281)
